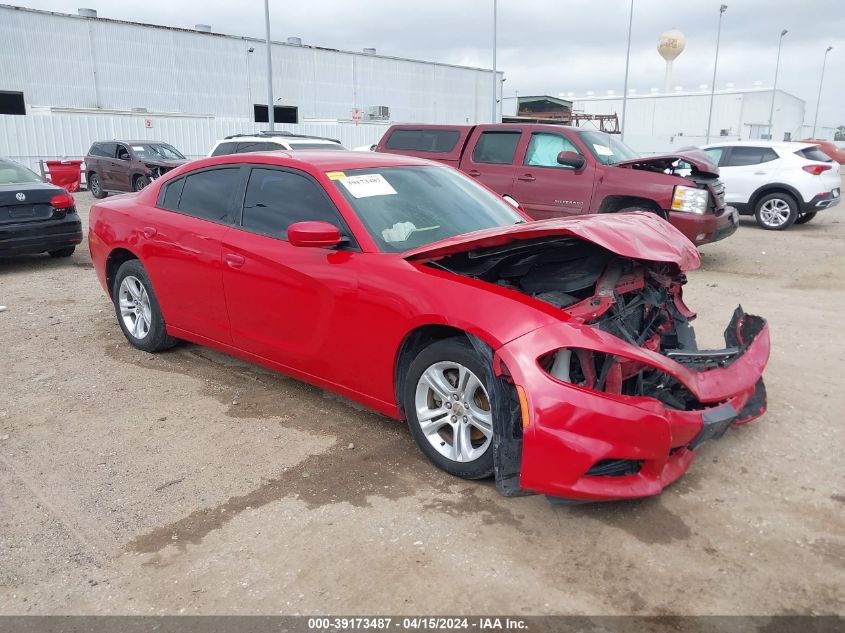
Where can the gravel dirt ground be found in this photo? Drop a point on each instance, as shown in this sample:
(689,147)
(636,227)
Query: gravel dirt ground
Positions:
(191,482)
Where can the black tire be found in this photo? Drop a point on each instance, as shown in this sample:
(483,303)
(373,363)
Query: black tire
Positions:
(139,182)
(806,217)
(156,338)
(783,200)
(96,187)
(62,252)
(457,350)
(646,208)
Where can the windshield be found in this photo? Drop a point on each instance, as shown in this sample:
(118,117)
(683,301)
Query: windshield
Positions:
(294,145)
(408,207)
(606,148)
(13,174)
(157,151)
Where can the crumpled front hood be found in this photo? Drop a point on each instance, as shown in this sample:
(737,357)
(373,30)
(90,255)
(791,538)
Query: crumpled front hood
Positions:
(164,163)
(695,157)
(642,236)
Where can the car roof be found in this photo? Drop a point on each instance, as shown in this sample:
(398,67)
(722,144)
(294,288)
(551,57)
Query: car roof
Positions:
(787,146)
(321,159)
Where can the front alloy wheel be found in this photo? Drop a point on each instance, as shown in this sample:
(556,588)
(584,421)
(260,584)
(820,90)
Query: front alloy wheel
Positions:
(448,406)
(453,411)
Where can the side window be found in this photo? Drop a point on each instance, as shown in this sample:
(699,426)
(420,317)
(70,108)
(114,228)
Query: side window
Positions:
(122,152)
(256,146)
(169,197)
(224,148)
(497,148)
(741,156)
(276,199)
(427,140)
(768,155)
(544,148)
(207,194)
(715,154)
(107,149)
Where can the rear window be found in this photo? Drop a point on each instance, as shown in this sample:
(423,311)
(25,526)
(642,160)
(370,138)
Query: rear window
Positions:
(103,149)
(435,141)
(13,174)
(496,148)
(814,153)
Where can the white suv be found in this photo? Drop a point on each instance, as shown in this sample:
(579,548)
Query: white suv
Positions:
(272,142)
(781,184)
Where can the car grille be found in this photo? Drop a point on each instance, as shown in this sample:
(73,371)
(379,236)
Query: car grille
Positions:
(615,468)
(718,189)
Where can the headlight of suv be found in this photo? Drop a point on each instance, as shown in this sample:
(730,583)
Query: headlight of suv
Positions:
(690,199)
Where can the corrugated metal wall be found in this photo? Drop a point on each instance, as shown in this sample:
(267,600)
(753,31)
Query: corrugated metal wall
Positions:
(658,123)
(63,61)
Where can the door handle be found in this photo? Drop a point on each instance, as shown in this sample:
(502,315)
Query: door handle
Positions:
(527,178)
(149,231)
(234,261)
(474,173)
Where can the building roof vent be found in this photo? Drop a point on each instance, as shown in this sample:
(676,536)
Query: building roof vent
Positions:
(295,41)
(369,51)
(203,28)
(87,13)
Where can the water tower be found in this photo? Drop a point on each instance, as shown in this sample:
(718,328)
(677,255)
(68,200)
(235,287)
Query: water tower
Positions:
(670,45)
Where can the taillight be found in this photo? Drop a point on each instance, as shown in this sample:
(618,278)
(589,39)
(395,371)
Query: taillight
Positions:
(816,170)
(62,201)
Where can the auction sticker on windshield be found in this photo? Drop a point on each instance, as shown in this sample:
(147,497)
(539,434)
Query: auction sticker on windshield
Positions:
(603,150)
(367,185)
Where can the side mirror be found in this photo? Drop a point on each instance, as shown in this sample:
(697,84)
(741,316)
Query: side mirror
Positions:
(571,159)
(315,234)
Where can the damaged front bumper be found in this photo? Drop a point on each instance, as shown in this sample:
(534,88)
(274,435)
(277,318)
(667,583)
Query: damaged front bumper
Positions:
(579,444)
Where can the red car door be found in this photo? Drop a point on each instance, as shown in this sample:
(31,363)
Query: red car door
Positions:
(490,155)
(182,249)
(284,301)
(547,189)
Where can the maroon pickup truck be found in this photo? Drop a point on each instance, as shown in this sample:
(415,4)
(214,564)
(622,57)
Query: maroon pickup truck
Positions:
(553,171)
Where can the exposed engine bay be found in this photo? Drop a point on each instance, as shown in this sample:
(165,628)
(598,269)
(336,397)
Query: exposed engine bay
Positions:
(637,301)
(157,170)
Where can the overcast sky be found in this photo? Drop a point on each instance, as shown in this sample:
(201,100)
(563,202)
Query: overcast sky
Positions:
(547,46)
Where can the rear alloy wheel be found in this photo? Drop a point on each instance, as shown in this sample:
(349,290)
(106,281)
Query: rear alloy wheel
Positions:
(776,211)
(62,252)
(139,183)
(449,410)
(96,187)
(138,312)
(806,217)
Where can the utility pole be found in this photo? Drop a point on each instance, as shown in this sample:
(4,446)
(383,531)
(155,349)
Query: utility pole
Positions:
(821,82)
(775,86)
(495,73)
(270,113)
(627,63)
(722,10)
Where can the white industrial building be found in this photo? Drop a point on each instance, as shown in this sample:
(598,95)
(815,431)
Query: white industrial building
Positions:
(659,121)
(68,80)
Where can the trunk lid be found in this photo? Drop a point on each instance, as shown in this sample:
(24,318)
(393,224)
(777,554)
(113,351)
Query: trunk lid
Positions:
(34,206)
(642,236)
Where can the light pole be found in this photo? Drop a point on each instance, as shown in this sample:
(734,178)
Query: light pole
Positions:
(495,73)
(821,82)
(722,10)
(270,113)
(627,63)
(775,86)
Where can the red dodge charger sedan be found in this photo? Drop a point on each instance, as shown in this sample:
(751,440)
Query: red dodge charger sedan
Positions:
(556,356)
